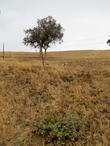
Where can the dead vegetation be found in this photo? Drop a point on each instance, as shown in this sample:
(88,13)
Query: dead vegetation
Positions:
(30,95)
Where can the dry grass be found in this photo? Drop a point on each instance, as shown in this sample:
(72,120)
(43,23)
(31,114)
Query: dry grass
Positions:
(73,82)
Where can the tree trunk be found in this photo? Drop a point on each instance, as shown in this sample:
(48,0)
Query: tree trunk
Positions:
(42,57)
(45,52)
(40,51)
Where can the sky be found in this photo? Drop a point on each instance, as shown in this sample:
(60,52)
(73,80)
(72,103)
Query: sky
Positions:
(86,22)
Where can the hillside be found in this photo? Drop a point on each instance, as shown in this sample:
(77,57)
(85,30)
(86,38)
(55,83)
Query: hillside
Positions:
(67,104)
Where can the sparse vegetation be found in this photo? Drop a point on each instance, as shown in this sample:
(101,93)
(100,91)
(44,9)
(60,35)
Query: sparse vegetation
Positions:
(72,93)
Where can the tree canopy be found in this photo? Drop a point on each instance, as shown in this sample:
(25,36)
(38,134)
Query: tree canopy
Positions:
(46,33)
(108,42)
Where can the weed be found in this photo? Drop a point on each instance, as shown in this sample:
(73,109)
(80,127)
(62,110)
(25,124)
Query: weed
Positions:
(59,130)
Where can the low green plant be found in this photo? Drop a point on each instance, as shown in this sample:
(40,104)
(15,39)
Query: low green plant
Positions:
(59,130)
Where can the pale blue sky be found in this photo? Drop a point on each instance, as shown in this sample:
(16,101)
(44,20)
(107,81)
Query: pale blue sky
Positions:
(86,22)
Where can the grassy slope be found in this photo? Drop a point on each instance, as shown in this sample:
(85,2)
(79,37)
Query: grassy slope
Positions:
(73,82)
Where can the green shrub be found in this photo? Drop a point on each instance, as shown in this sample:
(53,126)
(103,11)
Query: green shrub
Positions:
(58,130)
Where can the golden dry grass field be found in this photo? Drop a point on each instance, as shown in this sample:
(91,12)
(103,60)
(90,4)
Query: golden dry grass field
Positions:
(67,104)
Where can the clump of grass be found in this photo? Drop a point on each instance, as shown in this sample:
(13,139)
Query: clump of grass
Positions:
(59,130)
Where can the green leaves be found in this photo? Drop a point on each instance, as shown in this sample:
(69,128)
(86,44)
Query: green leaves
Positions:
(46,32)
(60,129)
(108,42)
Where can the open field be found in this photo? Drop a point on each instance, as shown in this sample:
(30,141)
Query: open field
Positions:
(67,104)
(68,55)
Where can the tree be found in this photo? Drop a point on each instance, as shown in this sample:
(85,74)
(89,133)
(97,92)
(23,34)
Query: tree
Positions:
(108,42)
(46,33)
